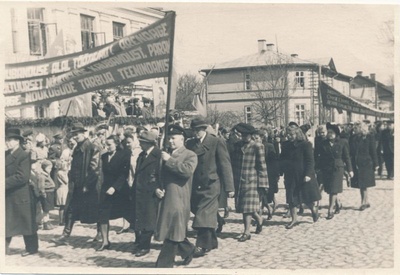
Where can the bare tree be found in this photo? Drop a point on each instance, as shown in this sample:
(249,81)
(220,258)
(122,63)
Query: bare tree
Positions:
(188,86)
(270,87)
(223,118)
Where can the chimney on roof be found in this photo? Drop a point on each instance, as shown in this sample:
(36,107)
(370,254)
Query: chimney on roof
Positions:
(359,73)
(262,45)
(294,55)
(270,47)
(373,76)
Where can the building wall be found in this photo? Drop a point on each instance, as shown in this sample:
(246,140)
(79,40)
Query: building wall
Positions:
(68,22)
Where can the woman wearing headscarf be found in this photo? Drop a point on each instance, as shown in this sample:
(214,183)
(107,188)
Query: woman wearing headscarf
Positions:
(364,161)
(297,165)
(333,155)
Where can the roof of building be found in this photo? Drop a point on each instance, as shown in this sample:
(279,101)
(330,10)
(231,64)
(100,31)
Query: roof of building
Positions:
(272,58)
(388,90)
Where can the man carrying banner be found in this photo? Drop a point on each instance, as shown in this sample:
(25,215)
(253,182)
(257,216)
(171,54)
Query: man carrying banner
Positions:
(214,165)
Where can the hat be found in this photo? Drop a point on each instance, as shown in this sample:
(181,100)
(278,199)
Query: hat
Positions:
(58,136)
(198,123)
(176,130)
(40,137)
(367,121)
(292,123)
(148,136)
(146,100)
(245,128)
(27,133)
(333,127)
(46,163)
(390,121)
(77,128)
(305,128)
(14,133)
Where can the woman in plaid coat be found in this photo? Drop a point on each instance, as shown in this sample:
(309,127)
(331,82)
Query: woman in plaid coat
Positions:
(250,178)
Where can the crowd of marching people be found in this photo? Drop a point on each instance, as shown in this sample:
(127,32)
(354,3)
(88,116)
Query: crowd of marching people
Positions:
(127,174)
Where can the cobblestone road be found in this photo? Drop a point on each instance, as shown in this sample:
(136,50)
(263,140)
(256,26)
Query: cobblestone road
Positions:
(352,239)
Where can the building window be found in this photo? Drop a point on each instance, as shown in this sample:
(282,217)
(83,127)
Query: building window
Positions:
(87,34)
(247,114)
(247,82)
(300,113)
(118,30)
(37,32)
(300,79)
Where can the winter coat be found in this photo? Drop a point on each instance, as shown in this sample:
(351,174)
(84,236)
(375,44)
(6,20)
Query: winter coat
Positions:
(249,174)
(144,199)
(296,162)
(174,213)
(364,160)
(213,169)
(20,201)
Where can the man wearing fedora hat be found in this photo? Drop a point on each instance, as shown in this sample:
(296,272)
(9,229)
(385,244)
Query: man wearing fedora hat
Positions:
(20,202)
(145,202)
(84,184)
(213,169)
(177,174)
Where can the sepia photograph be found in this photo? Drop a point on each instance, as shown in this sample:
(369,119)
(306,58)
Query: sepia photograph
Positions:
(199,138)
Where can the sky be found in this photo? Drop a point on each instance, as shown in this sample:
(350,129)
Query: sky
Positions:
(211,33)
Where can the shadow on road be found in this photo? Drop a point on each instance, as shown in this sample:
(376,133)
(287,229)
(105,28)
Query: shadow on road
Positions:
(103,261)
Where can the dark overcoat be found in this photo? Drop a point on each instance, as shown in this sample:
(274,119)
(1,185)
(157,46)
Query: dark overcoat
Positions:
(144,200)
(174,213)
(90,180)
(331,160)
(115,174)
(271,160)
(249,174)
(296,162)
(387,142)
(213,169)
(364,160)
(20,201)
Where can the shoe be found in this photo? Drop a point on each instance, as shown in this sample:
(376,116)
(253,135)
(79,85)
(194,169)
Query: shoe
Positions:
(301,211)
(62,240)
(199,252)
(291,225)
(219,228)
(287,214)
(368,205)
(142,252)
(330,216)
(61,224)
(123,230)
(188,259)
(244,237)
(103,247)
(363,207)
(97,239)
(47,226)
(315,215)
(226,212)
(27,253)
(338,208)
(259,229)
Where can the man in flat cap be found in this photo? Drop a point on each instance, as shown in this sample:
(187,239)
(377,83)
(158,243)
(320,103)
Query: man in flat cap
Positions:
(84,184)
(387,145)
(177,174)
(250,178)
(213,169)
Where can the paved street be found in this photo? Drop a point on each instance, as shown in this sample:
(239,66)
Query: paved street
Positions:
(353,239)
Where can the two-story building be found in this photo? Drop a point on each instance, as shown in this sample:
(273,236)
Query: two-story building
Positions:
(272,87)
(371,92)
(37,31)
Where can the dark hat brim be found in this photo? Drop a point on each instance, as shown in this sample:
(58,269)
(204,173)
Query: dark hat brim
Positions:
(21,138)
(78,131)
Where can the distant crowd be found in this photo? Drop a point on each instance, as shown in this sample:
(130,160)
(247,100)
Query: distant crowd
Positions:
(123,173)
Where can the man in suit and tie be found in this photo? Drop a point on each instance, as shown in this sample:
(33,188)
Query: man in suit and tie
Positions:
(214,167)
(145,201)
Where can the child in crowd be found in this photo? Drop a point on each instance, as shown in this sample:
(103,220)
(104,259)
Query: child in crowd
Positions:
(46,192)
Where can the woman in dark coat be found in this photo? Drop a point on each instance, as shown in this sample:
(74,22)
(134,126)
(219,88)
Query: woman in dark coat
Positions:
(332,157)
(297,164)
(20,201)
(364,161)
(113,202)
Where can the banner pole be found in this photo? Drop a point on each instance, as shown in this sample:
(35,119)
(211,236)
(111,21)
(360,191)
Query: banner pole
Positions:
(171,58)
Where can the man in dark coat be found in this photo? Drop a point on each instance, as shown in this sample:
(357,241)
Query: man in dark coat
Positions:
(144,199)
(387,144)
(214,167)
(95,105)
(174,214)
(84,184)
(20,202)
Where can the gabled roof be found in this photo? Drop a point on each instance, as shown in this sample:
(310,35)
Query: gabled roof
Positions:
(389,91)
